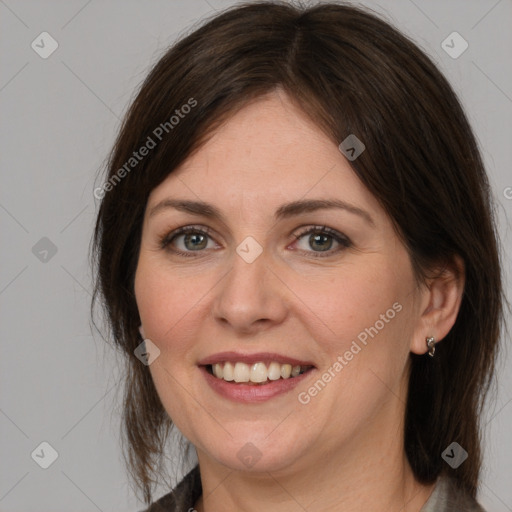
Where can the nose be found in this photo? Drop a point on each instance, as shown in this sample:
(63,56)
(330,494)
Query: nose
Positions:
(250,298)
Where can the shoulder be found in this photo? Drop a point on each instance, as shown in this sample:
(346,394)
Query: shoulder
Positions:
(182,498)
(447,496)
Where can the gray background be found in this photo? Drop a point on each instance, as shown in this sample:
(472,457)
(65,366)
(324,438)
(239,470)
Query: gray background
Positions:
(59,383)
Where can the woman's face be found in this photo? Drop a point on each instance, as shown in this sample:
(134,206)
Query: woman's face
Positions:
(265,280)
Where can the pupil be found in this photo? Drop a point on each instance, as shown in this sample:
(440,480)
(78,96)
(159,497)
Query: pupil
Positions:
(319,237)
(195,238)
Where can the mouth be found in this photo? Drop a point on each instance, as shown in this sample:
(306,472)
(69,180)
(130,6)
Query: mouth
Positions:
(254,378)
(257,374)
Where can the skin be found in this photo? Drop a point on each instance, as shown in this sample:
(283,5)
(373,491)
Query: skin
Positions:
(344,449)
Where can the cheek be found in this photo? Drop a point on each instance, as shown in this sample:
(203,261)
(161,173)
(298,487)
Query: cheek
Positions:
(365,331)
(167,304)
(350,302)
(362,322)
(165,299)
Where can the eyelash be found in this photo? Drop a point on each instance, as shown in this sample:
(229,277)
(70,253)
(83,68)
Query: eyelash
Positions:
(344,241)
(166,240)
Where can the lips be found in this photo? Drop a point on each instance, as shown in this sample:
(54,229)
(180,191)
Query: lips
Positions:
(248,392)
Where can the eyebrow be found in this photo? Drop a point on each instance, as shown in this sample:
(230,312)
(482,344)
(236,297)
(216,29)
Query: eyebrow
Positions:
(284,211)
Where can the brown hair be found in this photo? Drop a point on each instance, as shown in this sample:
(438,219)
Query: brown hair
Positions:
(351,73)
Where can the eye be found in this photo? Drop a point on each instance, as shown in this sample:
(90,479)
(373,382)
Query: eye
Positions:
(321,239)
(186,240)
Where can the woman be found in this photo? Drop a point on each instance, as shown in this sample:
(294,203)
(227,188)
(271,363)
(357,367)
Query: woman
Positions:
(297,254)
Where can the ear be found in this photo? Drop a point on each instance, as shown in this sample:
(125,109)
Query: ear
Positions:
(439,304)
(141,330)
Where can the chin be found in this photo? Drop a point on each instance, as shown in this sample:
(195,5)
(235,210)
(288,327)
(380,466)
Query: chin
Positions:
(256,455)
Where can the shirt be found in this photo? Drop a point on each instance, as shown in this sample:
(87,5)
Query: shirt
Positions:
(446,497)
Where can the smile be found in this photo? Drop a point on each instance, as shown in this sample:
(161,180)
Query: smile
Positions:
(257,373)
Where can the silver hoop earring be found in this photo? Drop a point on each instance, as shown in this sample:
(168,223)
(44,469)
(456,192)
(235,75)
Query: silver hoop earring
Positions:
(431,345)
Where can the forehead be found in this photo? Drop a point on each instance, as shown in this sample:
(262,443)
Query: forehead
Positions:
(269,152)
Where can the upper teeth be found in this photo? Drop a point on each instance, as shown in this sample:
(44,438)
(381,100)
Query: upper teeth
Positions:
(257,372)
